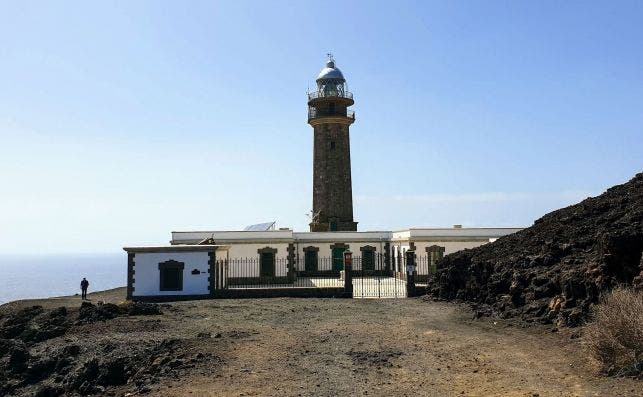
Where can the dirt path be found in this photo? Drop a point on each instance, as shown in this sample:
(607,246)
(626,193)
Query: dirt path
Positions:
(330,347)
(394,347)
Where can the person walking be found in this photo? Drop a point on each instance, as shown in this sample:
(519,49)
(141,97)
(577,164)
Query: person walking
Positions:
(84,284)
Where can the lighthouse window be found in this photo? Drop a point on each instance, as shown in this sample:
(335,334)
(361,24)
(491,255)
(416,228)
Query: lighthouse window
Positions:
(332,145)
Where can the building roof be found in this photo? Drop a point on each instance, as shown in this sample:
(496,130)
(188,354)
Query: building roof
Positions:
(286,236)
(331,72)
(178,248)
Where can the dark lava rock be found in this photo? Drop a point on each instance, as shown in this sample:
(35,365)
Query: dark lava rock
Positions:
(49,391)
(67,369)
(556,269)
(18,358)
(5,346)
(143,309)
(16,323)
(139,367)
(80,378)
(40,369)
(90,313)
(113,372)
(34,324)
(45,328)
(71,350)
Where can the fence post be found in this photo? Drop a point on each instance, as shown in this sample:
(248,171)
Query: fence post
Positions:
(291,263)
(411,270)
(348,274)
(387,257)
(212,275)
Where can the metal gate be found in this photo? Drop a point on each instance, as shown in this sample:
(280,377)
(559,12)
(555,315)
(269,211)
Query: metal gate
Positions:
(374,277)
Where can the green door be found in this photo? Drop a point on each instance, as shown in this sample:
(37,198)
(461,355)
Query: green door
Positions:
(368,260)
(311,261)
(267,264)
(338,259)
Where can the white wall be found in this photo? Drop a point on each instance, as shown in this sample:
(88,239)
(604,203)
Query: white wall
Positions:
(398,250)
(303,237)
(325,253)
(250,250)
(449,246)
(420,250)
(147,274)
(251,268)
(455,233)
(244,259)
(245,244)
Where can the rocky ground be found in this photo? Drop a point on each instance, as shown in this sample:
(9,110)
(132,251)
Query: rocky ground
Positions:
(554,271)
(290,347)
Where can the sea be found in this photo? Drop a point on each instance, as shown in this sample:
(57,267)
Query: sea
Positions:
(43,276)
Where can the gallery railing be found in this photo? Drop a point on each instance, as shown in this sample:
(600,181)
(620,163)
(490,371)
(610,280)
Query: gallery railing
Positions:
(315,113)
(329,94)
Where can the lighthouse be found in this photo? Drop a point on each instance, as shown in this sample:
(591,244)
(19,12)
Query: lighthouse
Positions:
(331,118)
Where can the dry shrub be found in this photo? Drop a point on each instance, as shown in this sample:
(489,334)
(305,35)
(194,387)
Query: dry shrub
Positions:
(614,339)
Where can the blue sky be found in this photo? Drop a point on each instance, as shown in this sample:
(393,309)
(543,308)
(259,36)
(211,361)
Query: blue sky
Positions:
(122,121)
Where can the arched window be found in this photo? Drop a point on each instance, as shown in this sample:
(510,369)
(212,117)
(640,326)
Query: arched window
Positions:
(171,275)
(311,259)
(435,253)
(368,257)
(267,261)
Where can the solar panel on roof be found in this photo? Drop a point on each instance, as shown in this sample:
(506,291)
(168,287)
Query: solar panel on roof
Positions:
(260,227)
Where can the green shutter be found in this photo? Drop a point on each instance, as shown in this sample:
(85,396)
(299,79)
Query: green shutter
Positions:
(338,259)
(311,261)
(368,260)
(267,265)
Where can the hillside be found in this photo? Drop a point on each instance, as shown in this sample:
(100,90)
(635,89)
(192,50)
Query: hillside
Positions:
(556,269)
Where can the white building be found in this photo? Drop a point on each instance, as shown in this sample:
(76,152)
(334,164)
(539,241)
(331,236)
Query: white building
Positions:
(197,263)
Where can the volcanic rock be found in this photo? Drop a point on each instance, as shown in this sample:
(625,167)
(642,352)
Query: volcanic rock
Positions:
(90,313)
(34,324)
(556,269)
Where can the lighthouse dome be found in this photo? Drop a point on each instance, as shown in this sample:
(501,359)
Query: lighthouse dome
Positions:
(331,72)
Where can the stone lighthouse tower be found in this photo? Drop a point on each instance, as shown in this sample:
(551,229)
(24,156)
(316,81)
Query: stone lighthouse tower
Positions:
(330,118)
